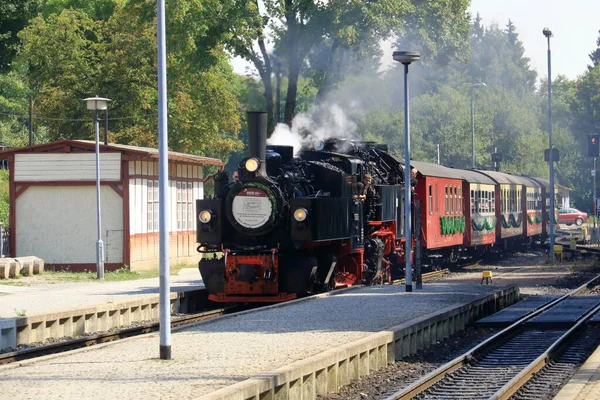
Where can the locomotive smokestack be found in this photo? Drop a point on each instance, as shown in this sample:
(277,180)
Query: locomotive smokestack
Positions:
(257,137)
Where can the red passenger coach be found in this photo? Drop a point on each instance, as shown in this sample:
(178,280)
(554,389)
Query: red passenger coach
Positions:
(440,193)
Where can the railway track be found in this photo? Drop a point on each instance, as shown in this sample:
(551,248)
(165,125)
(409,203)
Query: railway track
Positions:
(519,361)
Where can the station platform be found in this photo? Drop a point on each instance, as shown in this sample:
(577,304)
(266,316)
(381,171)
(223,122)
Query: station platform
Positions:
(301,348)
(48,298)
(33,313)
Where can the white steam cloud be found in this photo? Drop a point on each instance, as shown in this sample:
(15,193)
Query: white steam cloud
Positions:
(319,124)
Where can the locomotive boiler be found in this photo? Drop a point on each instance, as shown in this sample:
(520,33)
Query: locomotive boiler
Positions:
(292,224)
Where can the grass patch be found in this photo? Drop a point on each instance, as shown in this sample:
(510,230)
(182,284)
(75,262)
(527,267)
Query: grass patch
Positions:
(122,274)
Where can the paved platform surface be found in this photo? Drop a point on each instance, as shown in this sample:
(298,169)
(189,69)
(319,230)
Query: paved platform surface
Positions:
(47,298)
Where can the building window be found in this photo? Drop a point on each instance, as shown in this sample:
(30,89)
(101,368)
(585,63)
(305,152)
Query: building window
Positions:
(152,206)
(185,214)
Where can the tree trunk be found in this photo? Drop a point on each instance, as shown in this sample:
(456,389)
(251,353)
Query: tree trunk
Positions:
(277,92)
(331,75)
(265,75)
(290,101)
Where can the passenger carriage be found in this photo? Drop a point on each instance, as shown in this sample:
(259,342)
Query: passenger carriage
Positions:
(533,227)
(442,210)
(516,206)
(480,200)
(545,184)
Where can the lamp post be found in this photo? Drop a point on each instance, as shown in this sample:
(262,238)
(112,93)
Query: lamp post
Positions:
(163,186)
(548,33)
(475,85)
(96,104)
(407,57)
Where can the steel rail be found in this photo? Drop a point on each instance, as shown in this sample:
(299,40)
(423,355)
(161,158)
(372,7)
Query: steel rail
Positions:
(544,359)
(440,373)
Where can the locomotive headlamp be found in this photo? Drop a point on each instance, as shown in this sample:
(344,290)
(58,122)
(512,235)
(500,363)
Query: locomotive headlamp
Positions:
(205,216)
(300,214)
(252,164)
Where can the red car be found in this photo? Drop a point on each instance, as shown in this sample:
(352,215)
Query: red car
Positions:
(570,216)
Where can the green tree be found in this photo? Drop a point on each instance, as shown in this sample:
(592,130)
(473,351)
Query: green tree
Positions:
(14,16)
(71,56)
(63,55)
(332,31)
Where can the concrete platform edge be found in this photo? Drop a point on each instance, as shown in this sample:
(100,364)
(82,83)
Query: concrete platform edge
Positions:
(328,371)
(38,328)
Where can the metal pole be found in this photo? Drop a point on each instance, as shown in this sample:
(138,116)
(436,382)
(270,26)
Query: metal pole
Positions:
(438,153)
(163,187)
(30,120)
(552,213)
(472,130)
(407,186)
(99,244)
(594,208)
(106,126)
(418,275)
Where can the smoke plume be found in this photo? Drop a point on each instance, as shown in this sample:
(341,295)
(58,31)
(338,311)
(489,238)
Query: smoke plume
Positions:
(317,125)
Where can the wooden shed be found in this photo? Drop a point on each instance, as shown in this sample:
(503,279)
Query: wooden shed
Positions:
(53,204)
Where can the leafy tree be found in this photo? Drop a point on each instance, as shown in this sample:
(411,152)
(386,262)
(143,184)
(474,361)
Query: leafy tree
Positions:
(72,56)
(95,9)
(326,33)
(14,16)
(595,55)
(62,52)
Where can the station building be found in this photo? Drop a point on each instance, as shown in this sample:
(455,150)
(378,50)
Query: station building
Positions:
(53,204)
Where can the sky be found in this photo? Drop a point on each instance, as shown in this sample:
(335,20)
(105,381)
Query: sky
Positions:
(574,25)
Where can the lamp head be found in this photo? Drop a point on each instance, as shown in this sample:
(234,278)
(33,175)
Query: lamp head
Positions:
(478,84)
(547,32)
(97,103)
(406,57)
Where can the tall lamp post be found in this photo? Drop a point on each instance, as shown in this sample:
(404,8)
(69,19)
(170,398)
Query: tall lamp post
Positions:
(551,215)
(475,85)
(97,104)
(163,186)
(407,57)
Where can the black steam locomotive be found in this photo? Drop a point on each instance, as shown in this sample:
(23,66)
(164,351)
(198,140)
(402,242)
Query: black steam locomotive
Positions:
(294,224)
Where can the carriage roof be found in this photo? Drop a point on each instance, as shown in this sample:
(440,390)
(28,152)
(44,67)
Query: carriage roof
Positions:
(441,171)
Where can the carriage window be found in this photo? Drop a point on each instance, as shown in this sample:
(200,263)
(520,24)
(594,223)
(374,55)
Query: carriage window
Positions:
(435,202)
(472,202)
(455,200)
(493,202)
(430,200)
(446,201)
(460,197)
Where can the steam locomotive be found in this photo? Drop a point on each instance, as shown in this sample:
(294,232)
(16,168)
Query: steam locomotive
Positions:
(293,224)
